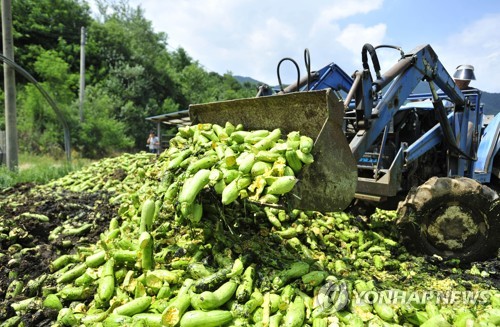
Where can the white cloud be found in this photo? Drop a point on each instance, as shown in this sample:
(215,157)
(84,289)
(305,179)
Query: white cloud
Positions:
(354,36)
(341,9)
(264,37)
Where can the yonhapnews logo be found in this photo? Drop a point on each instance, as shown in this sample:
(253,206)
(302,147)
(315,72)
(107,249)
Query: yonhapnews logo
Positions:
(335,296)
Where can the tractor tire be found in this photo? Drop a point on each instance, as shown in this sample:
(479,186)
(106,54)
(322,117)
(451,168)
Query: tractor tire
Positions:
(451,217)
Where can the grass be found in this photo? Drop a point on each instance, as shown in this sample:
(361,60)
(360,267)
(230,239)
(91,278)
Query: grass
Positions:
(38,169)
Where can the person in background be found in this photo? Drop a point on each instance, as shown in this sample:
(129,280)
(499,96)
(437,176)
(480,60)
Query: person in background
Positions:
(153,143)
(463,75)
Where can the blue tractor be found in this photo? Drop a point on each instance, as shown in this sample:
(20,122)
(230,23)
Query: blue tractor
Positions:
(429,154)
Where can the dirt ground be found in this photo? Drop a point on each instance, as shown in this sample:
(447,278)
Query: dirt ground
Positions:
(33,236)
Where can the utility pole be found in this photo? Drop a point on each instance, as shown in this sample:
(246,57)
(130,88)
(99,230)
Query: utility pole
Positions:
(82,73)
(10,88)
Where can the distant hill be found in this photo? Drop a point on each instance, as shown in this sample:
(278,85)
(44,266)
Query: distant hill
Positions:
(245,79)
(491,103)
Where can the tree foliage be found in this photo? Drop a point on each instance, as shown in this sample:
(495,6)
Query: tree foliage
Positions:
(130,75)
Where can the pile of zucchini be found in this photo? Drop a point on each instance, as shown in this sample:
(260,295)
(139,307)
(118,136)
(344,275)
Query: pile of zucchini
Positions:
(200,240)
(256,165)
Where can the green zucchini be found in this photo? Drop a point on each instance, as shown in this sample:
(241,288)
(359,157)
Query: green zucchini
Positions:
(245,162)
(230,192)
(72,274)
(93,318)
(350,319)
(416,318)
(267,156)
(274,302)
(230,175)
(464,318)
(148,319)
(73,293)
(147,215)
(436,321)
(293,140)
(314,278)
(193,185)
(320,322)
(211,282)
(255,136)
(116,320)
(63,261)
(275,320)
(133,307)
(384,311)
(229,158)
(245,288)
(212,318)
(306,158)
(203,163)
(106,286)
(96,259)
(198,270)
(260,168)
(268,141)
(246,309)
(172,191)
(306,144)
(146,245)
(213,300)
(175,162)
(52,301)
(239,136)
(295,314)
(281,185)
(296,270)
(172,314)
(293,161)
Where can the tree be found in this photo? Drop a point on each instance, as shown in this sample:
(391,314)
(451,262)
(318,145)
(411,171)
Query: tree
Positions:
(40,128)
(100,134)
(41,25)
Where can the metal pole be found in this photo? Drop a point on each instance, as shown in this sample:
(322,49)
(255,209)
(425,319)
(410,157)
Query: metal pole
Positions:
(82,72)
(10,88)
(158,132)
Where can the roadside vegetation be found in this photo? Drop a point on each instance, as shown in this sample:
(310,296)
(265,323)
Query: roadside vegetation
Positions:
(39,169)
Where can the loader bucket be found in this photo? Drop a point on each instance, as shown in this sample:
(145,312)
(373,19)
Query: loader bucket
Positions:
(329,183)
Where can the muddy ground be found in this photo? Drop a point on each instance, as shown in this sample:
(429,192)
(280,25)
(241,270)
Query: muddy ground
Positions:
(26,242)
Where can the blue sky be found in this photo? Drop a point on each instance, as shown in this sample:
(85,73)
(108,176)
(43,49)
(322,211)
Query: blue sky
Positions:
(249,38)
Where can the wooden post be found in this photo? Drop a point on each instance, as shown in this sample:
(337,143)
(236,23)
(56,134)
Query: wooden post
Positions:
(12,159)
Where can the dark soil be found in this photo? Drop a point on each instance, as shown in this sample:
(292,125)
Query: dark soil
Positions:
(26,250)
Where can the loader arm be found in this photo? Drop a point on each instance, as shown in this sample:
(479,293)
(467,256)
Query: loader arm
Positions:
(420,64)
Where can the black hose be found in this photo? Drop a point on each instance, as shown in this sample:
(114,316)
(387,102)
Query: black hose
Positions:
(395,47)
(279,75)
(373,54)
(307,61)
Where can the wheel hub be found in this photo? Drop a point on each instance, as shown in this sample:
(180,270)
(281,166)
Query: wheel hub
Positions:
(453,228)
